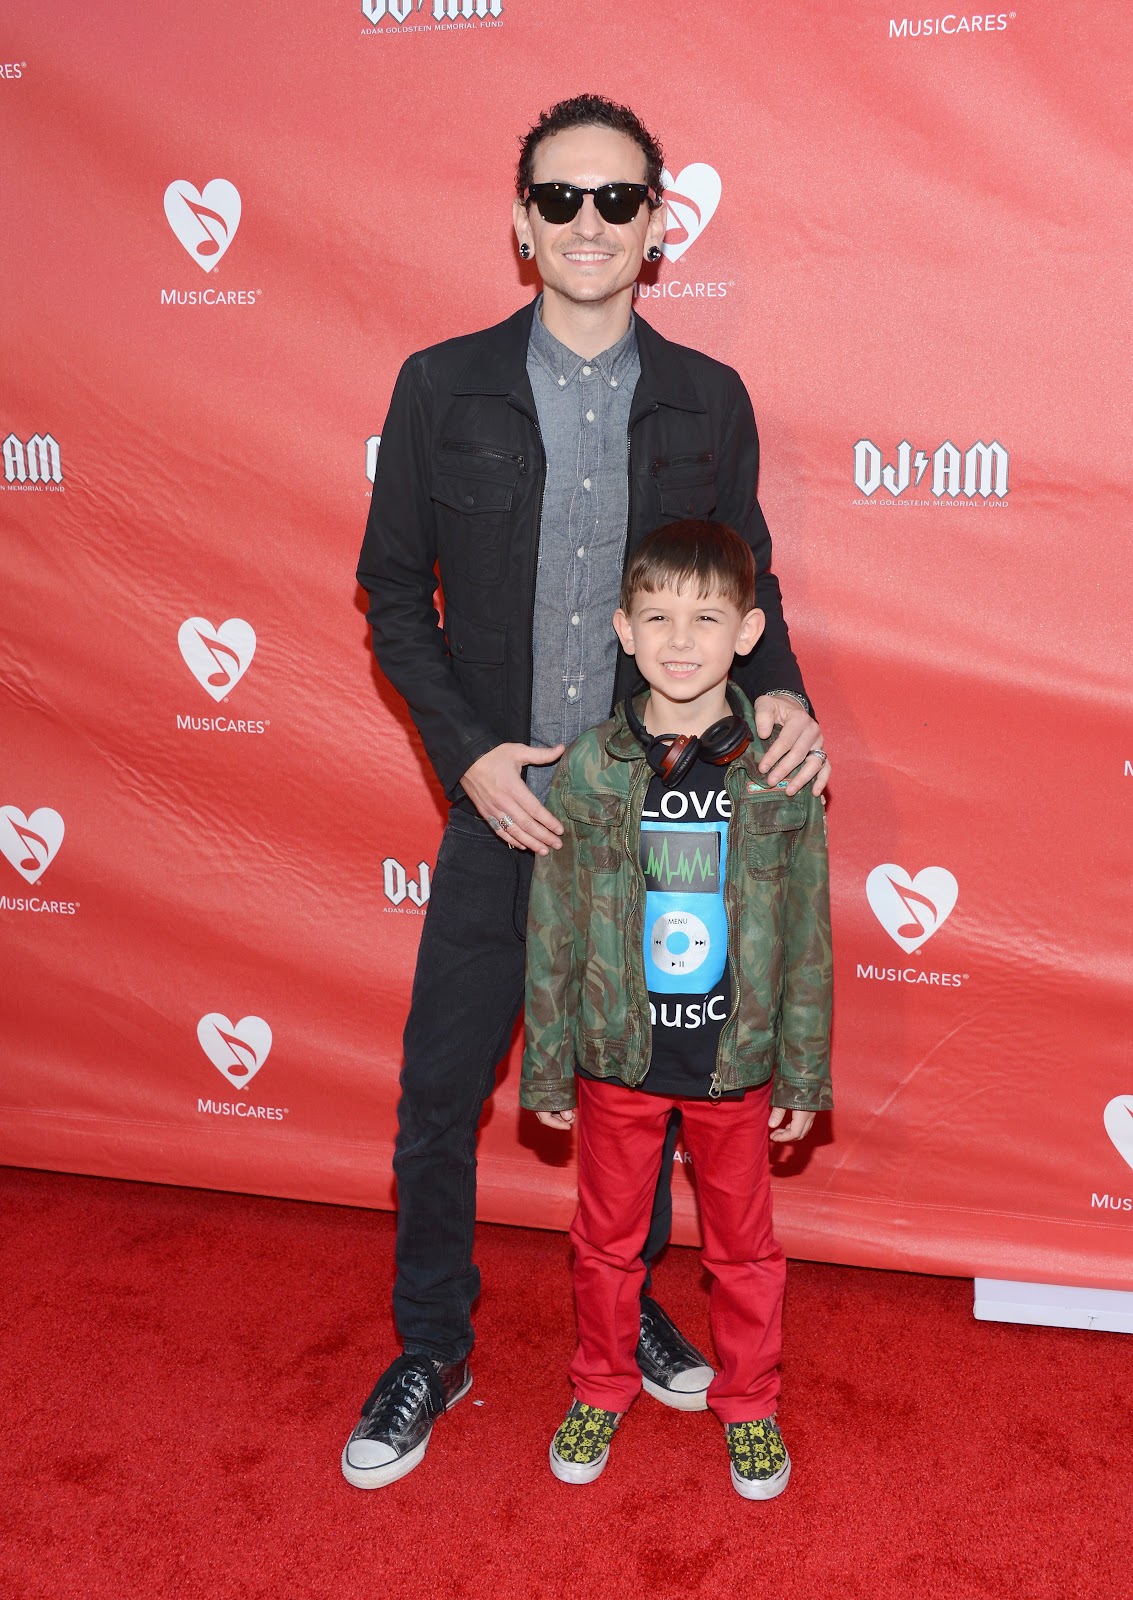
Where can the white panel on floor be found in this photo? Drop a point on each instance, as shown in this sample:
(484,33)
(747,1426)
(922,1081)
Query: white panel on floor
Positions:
(1053,1306)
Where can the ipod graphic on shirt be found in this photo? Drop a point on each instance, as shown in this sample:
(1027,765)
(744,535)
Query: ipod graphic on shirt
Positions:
(686,930)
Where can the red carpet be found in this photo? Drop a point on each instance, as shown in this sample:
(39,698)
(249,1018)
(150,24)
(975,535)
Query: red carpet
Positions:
(180,1369)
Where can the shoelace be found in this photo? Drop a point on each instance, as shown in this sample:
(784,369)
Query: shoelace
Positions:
(397,1405)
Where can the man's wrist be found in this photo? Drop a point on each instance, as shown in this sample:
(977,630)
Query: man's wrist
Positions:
(791,694)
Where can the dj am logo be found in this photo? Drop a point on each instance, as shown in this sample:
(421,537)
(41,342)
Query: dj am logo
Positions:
(442,15)
(32,463)
(373,445)
(951,22)
(399,887)
(910,909)
(30,843)
(978,473)
(236,1049)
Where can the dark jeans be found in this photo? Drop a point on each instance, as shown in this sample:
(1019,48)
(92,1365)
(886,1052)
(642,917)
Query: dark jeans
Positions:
(467,993)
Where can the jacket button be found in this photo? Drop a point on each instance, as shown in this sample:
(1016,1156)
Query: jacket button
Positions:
(470,500)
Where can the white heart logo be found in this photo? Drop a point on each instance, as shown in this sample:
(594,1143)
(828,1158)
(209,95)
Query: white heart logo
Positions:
(1119,1125)
(238,1050)
(911,909)
(30,843)
(692,197)
(205,221)
(217,657)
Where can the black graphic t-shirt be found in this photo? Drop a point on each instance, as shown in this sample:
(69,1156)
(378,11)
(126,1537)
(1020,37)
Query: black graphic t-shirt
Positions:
(684,847)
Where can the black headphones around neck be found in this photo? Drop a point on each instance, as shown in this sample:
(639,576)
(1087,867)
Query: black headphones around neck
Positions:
(671,755)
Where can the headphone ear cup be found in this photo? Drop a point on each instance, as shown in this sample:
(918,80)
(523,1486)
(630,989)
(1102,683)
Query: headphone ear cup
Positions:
(725,740)
(678,758)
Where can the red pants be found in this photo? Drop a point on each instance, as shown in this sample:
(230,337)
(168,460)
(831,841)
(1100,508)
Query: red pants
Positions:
(620,1133)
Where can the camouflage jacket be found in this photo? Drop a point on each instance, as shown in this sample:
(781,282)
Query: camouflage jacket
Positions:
(587,1000)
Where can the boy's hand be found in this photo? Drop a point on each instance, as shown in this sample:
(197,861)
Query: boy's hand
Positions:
(556,1119)
(495,786)
(799,744)
(798,1127)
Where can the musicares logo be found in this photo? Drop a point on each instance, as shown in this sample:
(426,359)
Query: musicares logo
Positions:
(30,843)
(691,198)
(205,221)
(1119,1125)
(217,657)
(911,910)
(236,1049)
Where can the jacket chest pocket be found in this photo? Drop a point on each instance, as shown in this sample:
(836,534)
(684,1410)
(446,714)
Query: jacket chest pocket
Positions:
(686,485)
(770,829)
(597,821)
(472,490)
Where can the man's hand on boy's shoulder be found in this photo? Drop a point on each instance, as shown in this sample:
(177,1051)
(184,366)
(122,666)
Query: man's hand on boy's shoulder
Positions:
(798,1127)
(556,1119)
(797,753)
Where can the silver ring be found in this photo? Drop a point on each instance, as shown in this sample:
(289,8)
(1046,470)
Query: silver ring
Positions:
(493,823)
(505,822)
(821,754)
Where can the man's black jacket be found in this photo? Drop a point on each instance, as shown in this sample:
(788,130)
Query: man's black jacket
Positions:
(458,493)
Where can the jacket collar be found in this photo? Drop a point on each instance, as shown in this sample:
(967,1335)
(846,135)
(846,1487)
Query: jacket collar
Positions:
(499,366)
(623,745)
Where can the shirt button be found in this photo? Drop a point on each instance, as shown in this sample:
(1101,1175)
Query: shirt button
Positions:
(613,383)
(581,551)
(575,620)
(572,692)
(562,383)
(586,372)
(586,483)
(590,416)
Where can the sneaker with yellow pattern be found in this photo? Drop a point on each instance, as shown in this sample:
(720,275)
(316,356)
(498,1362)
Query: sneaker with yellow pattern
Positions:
(760,1463)
(581,1447)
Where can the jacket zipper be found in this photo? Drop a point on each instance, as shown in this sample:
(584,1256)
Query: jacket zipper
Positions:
(635,936)
(704,459)
(732,864)
(484,450)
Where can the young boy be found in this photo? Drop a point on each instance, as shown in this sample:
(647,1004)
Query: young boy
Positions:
(678,955)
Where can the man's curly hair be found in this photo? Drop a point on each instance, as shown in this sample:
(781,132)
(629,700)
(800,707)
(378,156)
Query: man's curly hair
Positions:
(589,111)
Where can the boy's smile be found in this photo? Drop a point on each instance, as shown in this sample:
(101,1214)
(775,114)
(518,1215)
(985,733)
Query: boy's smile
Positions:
(684,644)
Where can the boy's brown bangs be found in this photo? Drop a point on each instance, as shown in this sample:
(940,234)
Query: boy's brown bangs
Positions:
(708,554)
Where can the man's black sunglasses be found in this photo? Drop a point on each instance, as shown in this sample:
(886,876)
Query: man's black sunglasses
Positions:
(615,202)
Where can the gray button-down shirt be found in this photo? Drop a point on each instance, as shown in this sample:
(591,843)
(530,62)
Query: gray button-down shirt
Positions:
(583,407)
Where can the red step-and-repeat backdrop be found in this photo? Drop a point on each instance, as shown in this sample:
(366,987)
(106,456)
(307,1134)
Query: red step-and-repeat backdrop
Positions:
(225,227)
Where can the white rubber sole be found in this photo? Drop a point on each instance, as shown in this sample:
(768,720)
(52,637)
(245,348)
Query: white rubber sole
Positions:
(391,1471)
(696,1400)
(574,1472)
(767,1490)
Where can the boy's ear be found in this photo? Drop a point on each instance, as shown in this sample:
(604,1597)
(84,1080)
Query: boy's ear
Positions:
(750,629)
(624,630)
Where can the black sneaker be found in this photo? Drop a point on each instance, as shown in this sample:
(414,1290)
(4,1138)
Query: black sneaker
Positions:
(672,1370)
(397,1419)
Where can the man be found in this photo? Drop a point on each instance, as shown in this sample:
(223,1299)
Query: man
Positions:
(504,469)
